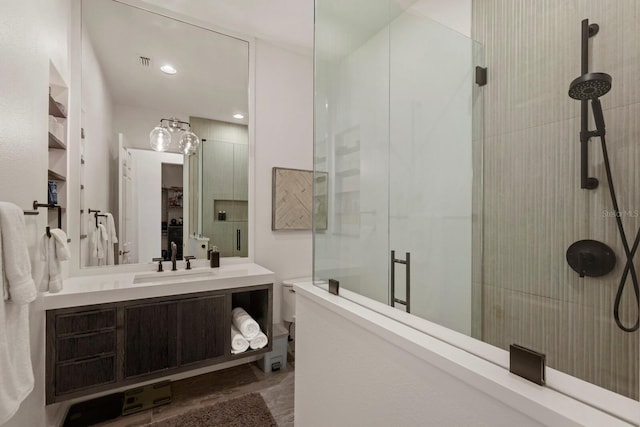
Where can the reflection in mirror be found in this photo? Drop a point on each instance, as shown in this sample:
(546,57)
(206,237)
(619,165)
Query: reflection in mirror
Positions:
(155,71)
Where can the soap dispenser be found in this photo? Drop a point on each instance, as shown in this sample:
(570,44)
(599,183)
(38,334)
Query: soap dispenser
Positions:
(214,257)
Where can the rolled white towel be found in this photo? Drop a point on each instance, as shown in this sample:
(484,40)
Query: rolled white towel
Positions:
(238,342)
(248,327)
(259,341)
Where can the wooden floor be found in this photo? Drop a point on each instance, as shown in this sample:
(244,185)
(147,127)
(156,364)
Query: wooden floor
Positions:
(276,388)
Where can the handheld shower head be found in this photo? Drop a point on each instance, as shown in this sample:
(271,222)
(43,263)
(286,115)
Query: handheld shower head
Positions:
(598,117)
(590,86)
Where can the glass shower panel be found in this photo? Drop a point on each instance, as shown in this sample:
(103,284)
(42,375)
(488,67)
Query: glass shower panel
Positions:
(393,132)
(352,140)
(430,155)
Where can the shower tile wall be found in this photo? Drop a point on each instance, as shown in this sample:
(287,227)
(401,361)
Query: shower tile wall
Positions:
(533,205)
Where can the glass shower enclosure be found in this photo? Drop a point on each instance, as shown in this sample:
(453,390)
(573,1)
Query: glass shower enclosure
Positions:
(427,176)
(395,130)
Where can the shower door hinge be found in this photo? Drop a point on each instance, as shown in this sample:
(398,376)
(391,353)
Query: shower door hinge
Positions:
(334,286)
(527,363)
(481,76)
(82,133)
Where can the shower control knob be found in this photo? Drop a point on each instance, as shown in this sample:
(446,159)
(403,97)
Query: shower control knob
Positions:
(591,258)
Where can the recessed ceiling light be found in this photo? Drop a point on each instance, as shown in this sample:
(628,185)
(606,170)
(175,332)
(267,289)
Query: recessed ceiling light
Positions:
(168,69)
(238,116)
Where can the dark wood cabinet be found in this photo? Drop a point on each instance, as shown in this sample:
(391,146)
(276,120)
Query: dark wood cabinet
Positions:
(201,331)
(96,348)
(150,338)
(81,350)
(83,374)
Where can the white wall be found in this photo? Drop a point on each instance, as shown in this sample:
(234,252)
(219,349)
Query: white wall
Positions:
(147,168)
(283,138)
(357,367)
(453,14)
(31,34)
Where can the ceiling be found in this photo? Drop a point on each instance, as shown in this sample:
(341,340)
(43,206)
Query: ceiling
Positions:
(213,69)
(212,78)
(283,22)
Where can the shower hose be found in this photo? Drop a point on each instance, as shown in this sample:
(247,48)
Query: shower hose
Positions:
(630,253)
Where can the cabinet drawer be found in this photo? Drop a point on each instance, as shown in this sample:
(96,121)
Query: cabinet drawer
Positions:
(85,345)
(87,321)
(83,374)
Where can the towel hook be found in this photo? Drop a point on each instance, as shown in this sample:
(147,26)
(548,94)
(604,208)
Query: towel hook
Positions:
(96,214)
(37,205)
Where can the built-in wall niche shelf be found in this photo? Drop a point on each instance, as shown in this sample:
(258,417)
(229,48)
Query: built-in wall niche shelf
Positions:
(55,110)
(232,210)
(55,176)
(55,143)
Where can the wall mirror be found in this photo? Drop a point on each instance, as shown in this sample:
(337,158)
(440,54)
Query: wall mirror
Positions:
(139,68)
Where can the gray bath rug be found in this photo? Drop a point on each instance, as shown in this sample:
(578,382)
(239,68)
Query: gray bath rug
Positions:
(249,410)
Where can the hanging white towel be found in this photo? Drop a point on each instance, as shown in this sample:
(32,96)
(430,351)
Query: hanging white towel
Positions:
(112,238)
(15,274)
(53,250)
(18,285)
(248,327)
(98,246)
(260,341)
(238,343)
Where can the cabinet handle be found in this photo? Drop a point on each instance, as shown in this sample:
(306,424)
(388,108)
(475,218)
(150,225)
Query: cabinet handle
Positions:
(238,239)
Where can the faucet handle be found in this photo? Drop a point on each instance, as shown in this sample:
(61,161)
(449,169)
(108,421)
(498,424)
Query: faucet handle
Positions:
(188,258)
(159,261)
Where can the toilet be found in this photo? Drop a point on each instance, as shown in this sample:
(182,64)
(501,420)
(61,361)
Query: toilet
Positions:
(289,298)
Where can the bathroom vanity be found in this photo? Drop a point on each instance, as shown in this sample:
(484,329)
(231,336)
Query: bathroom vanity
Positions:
(142,326)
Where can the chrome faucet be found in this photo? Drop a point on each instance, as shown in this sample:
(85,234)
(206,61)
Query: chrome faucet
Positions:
(174,253)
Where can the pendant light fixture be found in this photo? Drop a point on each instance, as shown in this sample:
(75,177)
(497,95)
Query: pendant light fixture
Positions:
(160,136)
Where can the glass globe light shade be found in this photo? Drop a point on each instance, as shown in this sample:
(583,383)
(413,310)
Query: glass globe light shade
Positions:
(160,139)
(189,143)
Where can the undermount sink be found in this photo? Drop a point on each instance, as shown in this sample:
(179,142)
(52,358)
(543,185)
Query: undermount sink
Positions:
(164,276)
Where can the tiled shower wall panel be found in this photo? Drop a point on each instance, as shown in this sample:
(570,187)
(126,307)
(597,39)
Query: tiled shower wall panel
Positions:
(533,207)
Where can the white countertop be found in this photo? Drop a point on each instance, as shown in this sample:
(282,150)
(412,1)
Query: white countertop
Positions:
(105,288)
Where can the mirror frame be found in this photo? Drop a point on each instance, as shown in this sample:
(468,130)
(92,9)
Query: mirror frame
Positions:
(74,124)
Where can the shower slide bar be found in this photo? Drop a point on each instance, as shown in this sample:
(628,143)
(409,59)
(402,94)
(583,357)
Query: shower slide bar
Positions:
(407,263)
(586,182)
